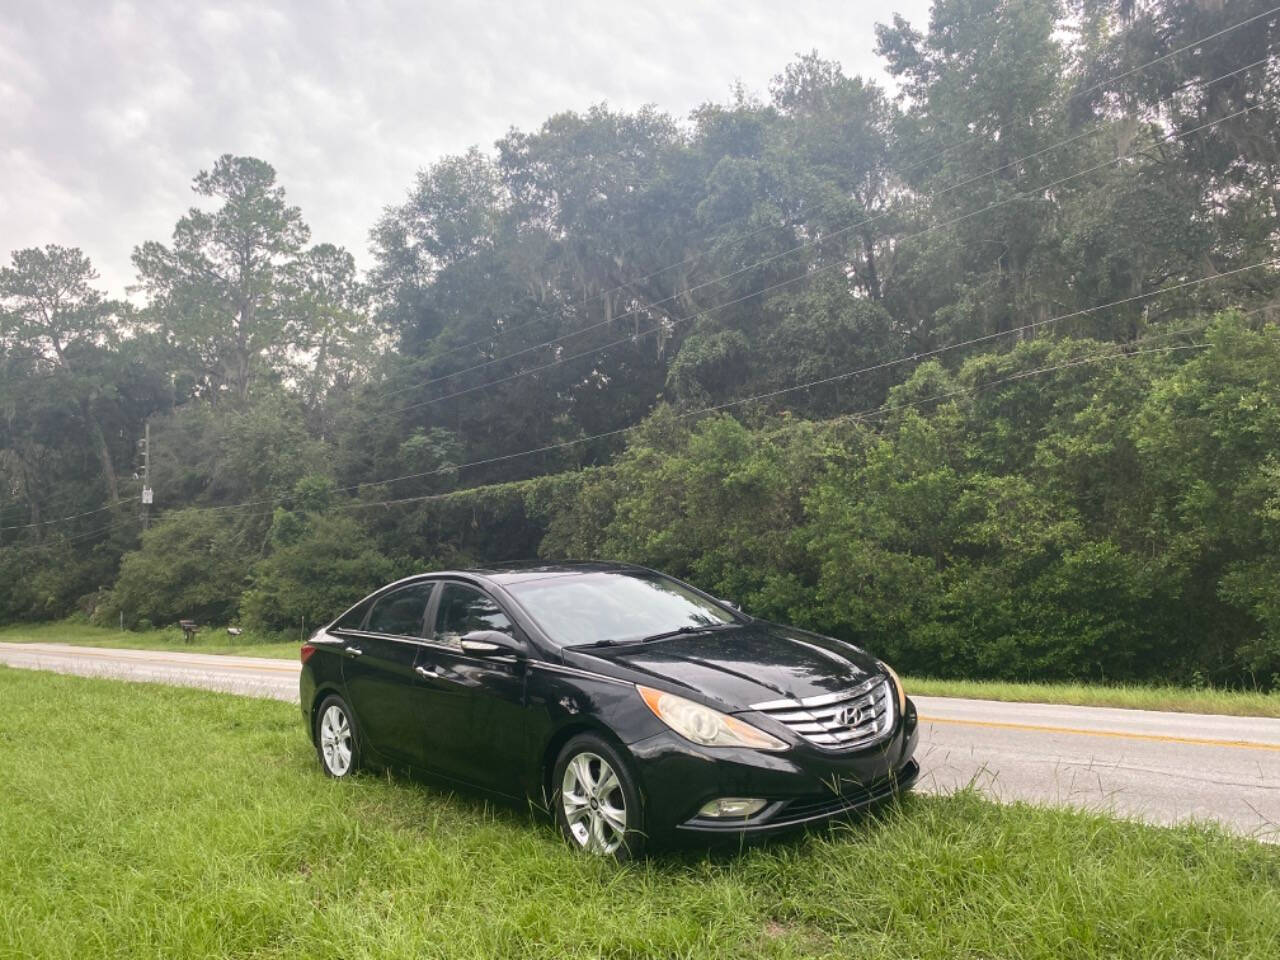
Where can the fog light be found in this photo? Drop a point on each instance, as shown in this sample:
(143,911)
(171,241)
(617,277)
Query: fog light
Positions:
(732,807)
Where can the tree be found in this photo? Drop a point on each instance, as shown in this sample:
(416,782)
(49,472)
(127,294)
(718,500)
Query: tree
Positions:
(51,314)
(218,291)
(982,90)
(327,307)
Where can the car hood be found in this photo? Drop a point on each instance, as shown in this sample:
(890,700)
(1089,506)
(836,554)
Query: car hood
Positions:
(747,664)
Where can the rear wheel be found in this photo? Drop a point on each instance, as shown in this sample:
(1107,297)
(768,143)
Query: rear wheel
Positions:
(335,737)
(598,807)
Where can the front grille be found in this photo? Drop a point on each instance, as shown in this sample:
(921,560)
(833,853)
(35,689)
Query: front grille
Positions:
(853,719)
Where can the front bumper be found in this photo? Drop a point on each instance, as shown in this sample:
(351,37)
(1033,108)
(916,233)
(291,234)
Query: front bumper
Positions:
(804,785)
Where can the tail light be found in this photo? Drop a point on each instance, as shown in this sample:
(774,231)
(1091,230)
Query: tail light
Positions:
(307,650)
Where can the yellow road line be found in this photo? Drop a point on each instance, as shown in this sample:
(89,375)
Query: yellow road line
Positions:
(1154,737)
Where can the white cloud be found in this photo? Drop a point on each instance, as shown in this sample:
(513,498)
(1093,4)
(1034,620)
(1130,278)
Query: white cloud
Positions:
(110,109)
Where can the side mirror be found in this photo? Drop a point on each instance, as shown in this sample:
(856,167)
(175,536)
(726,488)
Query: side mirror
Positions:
(732,604)
(491,643)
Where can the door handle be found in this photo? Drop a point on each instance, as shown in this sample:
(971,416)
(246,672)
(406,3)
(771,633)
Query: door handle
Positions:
(424,672)
(352,651)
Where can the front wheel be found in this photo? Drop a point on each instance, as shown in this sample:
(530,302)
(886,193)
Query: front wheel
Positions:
(335,737)
(598,806)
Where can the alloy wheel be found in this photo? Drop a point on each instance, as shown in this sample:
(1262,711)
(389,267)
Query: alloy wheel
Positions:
(595,807)
(335,740)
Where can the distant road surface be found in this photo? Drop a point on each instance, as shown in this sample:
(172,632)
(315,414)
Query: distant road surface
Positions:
(1159,767)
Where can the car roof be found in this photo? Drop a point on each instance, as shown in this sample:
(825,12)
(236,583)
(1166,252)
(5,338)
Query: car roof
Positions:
(506,574)
(511,573)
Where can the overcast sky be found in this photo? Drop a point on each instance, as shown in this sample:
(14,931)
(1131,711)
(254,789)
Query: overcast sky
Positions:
(108,109)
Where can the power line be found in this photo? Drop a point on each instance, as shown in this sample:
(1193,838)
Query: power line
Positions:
(771,394)
(695,258)
(74,516)
(93,533)
(825,238)
(1118,353)
(1022,195)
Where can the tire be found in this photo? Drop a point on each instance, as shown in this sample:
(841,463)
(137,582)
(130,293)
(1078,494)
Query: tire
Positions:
(335,737)
(597,801)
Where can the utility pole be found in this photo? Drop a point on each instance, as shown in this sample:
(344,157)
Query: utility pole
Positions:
(146,475)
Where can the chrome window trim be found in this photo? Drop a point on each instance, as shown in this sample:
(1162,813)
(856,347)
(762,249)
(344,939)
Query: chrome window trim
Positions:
(435,645)
(401,638)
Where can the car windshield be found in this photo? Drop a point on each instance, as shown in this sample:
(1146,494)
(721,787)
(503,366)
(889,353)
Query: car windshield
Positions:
(593,607)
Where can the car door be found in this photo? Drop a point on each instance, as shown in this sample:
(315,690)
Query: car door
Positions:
(378,671)
(474,718)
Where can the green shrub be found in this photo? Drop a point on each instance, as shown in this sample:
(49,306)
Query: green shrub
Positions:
(191,564)
(324,565)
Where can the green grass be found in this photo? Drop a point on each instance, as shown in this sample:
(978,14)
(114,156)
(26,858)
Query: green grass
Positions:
(209,640)
(145,821)
(1242,703)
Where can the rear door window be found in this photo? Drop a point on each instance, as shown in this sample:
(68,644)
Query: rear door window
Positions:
(401,612)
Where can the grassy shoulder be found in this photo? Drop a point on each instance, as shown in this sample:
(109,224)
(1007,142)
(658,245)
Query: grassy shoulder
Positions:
(209,640)
(195,824)
(1242,703)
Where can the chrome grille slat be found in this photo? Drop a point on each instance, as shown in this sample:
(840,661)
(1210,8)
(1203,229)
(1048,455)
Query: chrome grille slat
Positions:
(819,701)
(819,719)
(826,714)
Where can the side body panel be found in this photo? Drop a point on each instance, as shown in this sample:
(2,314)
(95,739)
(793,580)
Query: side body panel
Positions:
(383,690)
(474,720)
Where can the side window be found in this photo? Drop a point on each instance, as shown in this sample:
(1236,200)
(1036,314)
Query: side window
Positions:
(465,609)
(353,618)
(401,612)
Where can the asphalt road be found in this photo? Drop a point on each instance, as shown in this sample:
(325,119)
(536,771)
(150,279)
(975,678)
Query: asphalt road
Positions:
(1159,767)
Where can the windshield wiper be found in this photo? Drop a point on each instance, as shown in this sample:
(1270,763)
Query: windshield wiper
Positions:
(665,635)
(681,631)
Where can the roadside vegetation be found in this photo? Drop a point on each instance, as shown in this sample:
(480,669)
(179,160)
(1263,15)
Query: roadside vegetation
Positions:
(209,640)
(1240,703)
(195,824)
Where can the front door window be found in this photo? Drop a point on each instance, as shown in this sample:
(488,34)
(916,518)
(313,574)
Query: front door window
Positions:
(464,610)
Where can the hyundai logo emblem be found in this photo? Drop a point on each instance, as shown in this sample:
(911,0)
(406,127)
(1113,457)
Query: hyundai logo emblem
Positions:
(852,716)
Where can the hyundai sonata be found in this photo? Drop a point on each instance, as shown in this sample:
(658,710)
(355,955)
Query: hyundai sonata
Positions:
(636,706)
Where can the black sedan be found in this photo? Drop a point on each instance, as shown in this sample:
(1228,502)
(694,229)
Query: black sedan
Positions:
(637,707)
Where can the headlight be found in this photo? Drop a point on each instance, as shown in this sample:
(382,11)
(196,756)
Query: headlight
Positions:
(897,684)
(705,726)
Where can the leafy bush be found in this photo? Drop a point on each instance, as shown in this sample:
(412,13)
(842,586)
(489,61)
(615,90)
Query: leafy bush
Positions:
(319,568)
(191,564)
(1105,521)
